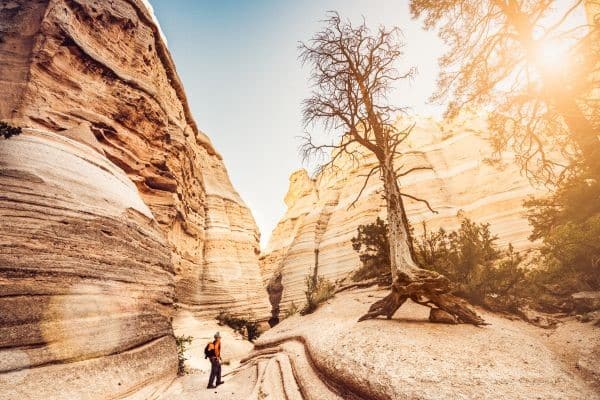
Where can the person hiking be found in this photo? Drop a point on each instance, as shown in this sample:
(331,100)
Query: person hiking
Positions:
(212,351)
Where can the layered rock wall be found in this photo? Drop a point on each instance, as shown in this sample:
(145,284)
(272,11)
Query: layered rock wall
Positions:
(113,205)
(86,278)
(465,180)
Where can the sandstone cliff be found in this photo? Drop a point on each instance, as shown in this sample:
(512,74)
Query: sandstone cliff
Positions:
(466,180)
(113,205)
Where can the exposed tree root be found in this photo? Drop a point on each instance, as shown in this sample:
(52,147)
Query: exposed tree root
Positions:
(427,288)
(363,284)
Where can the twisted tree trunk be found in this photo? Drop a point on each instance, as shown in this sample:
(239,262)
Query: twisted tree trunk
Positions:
(408,280)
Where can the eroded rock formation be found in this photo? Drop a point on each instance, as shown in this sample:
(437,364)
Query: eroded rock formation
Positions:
(86,278)
(329,355)
(465,180)
(113,205)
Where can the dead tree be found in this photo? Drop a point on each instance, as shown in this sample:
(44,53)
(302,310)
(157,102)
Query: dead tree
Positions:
(353,70)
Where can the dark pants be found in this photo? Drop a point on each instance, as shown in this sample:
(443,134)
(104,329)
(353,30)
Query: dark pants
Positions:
(215,371)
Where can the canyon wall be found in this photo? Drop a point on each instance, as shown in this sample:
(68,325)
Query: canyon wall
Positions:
(113,206)
(465,180)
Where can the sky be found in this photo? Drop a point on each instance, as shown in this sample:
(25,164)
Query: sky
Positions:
(238,61)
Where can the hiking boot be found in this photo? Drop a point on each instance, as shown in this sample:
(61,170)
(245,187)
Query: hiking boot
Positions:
(220,383)
(211,387)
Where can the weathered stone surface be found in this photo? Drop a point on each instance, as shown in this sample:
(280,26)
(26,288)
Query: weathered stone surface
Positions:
(99,73)
(586,301)
(441,316)
(86,279)
(335,357)
(464,181)
(536,318)
(113,205)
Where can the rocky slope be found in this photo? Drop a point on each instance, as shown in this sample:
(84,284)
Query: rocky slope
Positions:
(113,205)
(465,180)
(328,355)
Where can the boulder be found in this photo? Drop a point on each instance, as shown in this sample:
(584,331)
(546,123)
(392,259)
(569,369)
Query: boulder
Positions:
(441,316)
(537,318)
(586,301)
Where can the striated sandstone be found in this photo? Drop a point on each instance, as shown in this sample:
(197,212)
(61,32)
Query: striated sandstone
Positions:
(86,279)
(465,180)
(113,205)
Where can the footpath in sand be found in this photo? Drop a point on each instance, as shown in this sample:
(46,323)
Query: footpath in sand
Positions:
(328,355)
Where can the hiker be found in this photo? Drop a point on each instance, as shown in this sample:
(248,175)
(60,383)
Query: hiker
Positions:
(212,351)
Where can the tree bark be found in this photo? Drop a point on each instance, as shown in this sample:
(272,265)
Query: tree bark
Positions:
(401,259)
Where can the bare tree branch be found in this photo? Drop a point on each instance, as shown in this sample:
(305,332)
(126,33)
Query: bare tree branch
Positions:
(375,168)
(413,169)
(420,200)
(542,110)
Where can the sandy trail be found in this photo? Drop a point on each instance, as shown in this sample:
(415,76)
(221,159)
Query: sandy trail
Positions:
(328,355)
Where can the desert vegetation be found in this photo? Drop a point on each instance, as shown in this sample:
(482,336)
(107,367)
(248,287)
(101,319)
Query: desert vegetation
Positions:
(318,290)
(293,309)
(353,70)
(182,342)
(371,244)
(499,279)
(503,57)
(497,60)
(248,328)
(568,225)
(7,130)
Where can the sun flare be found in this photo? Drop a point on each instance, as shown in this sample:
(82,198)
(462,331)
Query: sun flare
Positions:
(551,55)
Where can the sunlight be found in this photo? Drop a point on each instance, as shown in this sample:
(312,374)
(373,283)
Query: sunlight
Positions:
(552,55)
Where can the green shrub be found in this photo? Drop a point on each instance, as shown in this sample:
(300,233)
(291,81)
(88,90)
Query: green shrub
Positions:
(247,328)
(292,310)
(182,343)
(568,223)
(318,291)
(371,244)
(468,257)
(497,285)
(457,254)
(7,130)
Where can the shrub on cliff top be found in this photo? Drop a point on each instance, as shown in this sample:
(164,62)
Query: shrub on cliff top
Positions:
(7,130)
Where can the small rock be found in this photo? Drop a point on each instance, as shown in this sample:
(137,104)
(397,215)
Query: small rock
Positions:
(586,301)
(441,316)
(536,318)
